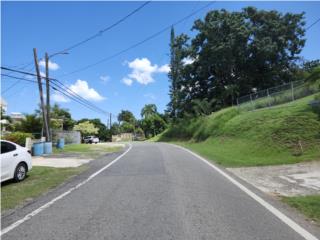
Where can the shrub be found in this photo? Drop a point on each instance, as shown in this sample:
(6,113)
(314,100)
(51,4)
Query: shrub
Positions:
(18,137)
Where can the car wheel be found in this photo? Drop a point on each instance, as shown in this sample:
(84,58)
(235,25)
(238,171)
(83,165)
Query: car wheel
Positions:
(20,172)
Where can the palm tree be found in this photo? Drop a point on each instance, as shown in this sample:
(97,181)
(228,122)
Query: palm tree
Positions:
(148,110)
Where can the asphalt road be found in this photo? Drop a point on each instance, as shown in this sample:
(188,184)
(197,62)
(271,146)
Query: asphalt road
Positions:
(155,191)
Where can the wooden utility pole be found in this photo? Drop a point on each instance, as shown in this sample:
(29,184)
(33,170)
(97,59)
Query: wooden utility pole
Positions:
(41,93)
(110,121)
(48,96)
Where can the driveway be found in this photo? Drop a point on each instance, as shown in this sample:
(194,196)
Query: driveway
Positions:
(286,180)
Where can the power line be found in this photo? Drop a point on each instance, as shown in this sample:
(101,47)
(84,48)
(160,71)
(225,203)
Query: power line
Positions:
(11,86)
(69,96)
(312,24)
(100,32)
(78,97)
(19,78)
(139,43)
(64,88)
(66,91)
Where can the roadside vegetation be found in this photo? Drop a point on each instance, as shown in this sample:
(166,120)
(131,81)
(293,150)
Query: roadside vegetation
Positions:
(288,133)
(39,181)
(309,205)
(87,150)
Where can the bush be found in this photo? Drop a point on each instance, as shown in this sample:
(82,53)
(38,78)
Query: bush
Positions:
(18,137)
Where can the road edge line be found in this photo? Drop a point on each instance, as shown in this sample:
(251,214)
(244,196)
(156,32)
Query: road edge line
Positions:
(288,221)
(48,204)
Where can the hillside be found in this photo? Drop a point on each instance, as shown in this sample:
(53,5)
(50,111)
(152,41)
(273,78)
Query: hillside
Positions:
(287,133)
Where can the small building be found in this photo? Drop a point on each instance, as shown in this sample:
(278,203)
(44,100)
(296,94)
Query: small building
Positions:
(3,105)
(17,117)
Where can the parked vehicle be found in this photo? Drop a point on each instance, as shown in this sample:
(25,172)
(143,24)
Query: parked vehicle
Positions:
(15,161)
(91,139)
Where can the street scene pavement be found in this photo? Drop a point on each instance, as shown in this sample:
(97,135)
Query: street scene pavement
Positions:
(155,191)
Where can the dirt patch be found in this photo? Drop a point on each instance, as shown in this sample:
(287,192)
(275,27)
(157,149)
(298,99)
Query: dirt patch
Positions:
(286,180)
(71,159)
(58,162)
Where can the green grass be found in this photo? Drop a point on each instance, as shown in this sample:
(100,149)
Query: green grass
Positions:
(300,91)
(92,150)
(39,181)
(288,133)
(309,205)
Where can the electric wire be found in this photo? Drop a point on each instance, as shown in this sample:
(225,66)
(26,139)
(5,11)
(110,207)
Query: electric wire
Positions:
(138,43)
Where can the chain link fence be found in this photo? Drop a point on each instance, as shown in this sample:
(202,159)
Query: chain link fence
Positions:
(277,95)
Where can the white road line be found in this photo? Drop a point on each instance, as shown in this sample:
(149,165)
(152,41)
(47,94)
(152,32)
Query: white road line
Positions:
(47,205)
(296,227)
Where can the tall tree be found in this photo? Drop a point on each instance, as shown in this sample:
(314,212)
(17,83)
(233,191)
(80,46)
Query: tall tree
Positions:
(234,53)
(178,51)
(148,110)
(58,113)
(126,116)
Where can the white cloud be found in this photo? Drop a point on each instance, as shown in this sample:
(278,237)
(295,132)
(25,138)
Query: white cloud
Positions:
(81,87)
(143,71)
(52,66)
(127,81)
(58,97)
(164,69)
(187,61)
(104,78)
(42,74)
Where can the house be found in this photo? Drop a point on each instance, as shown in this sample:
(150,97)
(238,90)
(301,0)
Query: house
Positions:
(3,105)
(17,117)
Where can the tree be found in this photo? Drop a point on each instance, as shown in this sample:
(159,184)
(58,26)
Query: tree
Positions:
(115,129)
(148,110)
(86,128)
(233,53)
(310,65)
(126,116)
(127,127)
(153,125)
(62,115)
(31,124)
(178,46)
(104,133)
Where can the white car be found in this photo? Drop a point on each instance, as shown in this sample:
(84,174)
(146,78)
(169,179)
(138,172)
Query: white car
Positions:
(91,139)
(15,161)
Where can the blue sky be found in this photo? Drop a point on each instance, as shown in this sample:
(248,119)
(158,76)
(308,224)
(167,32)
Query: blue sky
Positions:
(53,26)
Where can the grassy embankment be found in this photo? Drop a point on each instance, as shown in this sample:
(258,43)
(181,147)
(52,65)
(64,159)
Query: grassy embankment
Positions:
(288,133)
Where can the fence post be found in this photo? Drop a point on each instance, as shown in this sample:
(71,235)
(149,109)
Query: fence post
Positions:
(251,102)
(269,103)
(292,92)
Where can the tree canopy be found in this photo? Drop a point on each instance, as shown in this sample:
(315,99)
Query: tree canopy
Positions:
(231,54)
(86,128)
